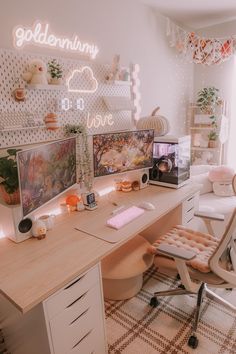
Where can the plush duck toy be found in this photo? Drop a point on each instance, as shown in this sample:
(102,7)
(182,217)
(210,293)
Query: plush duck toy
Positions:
(37,73)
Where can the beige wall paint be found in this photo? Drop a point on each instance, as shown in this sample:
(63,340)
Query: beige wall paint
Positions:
(131,29)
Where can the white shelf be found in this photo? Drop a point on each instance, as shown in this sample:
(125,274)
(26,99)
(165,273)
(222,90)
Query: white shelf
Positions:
(201,128)
(197,148)
(22,128)
(119,82)
(46,87)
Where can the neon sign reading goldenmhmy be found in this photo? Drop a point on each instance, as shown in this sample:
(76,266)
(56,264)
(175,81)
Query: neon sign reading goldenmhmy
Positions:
(40,34)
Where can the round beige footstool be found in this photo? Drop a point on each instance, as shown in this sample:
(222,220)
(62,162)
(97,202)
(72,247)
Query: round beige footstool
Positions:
(122,271)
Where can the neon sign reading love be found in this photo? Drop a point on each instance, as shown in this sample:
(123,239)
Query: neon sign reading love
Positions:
(40,34)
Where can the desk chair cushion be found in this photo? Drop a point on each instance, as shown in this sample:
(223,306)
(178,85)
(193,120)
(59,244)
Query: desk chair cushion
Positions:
(202,244)
(167,266)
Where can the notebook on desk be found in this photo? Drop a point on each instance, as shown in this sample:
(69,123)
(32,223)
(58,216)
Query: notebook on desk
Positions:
(111,229)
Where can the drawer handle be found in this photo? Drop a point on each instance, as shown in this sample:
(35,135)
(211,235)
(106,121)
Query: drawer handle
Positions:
(190,209)
(76,281)
(82,314)
(79,298)
(86,335)
(190,199)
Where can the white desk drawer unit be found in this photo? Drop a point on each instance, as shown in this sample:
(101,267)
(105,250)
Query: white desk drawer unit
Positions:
(65,297)
(75,316)
(188,207)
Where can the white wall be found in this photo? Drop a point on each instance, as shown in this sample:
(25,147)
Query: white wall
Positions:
(133,30)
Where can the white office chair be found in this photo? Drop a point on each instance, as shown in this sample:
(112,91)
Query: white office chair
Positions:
(199,259)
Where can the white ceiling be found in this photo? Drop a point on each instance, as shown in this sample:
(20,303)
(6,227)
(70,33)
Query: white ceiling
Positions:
(196,13)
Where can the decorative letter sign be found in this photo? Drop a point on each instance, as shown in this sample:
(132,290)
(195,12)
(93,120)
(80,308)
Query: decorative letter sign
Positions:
(99,121)
(40,34)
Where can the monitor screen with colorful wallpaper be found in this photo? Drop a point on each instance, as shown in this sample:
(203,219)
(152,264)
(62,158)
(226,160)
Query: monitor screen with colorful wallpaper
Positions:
(123,151)
(45,172)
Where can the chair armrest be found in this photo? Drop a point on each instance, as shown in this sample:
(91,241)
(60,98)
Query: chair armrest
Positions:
(209,215)
(176,252)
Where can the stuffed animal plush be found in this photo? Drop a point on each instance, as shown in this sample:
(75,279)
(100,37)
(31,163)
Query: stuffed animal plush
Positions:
(37,73)
(221,174)
(221,177)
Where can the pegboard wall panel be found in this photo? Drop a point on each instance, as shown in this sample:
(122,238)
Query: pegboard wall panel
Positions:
(40,102)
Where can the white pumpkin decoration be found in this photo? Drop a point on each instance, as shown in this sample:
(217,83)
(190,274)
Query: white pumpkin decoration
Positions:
(159,123)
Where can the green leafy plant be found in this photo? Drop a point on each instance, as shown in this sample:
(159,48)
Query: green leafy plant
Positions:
(212,135)
(8,171)
(83,161)
(208,98)
(55,69)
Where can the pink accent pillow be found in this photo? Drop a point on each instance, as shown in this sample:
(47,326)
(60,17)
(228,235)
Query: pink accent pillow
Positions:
(221,174)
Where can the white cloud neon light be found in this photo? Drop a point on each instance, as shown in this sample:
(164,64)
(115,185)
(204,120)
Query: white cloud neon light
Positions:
(90,77)
(40,34)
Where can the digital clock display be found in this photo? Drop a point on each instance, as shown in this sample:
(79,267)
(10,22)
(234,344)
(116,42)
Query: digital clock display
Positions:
(76,104)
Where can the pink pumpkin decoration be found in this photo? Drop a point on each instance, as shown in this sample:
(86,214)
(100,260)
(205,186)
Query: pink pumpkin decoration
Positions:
(221,174)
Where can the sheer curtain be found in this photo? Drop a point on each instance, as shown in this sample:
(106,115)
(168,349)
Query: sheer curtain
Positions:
(231,154)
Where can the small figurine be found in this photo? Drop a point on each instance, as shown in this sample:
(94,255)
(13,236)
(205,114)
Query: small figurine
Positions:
(37,73)
(19,91)
(51,121)
(39,229)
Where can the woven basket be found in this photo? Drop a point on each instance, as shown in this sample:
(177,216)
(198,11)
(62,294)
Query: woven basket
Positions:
(159,123)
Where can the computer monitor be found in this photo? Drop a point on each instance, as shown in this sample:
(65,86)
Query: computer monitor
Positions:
(45,172)
(122,152)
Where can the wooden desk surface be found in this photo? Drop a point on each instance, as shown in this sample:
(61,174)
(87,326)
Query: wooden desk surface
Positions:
(33,270)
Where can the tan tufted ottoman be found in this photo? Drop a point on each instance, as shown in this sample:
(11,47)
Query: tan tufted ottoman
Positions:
(122,271)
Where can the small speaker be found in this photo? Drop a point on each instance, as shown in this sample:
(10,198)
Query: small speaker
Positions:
(153,174)
(141,176)
(12,224)
(25,225)
(144,179)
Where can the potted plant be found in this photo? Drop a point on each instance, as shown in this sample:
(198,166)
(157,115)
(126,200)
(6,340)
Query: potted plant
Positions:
(207,99)
(9,183)
(212,136)
(55,71)
(83,161)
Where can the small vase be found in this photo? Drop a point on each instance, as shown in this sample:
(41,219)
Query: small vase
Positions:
(10,199)
(55,81)
(212,144)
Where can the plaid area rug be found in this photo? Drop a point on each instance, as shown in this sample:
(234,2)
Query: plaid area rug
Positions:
(133,327)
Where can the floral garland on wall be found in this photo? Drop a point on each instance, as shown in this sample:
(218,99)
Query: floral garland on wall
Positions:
(200,50)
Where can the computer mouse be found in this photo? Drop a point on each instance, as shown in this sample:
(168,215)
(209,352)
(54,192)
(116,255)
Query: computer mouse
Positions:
(147,206)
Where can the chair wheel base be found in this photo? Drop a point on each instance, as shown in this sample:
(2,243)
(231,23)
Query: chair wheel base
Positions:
(154,302)
(181,286)
(193,342)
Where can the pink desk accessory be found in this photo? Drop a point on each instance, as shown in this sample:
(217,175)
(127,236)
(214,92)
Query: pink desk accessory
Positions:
(125,217)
